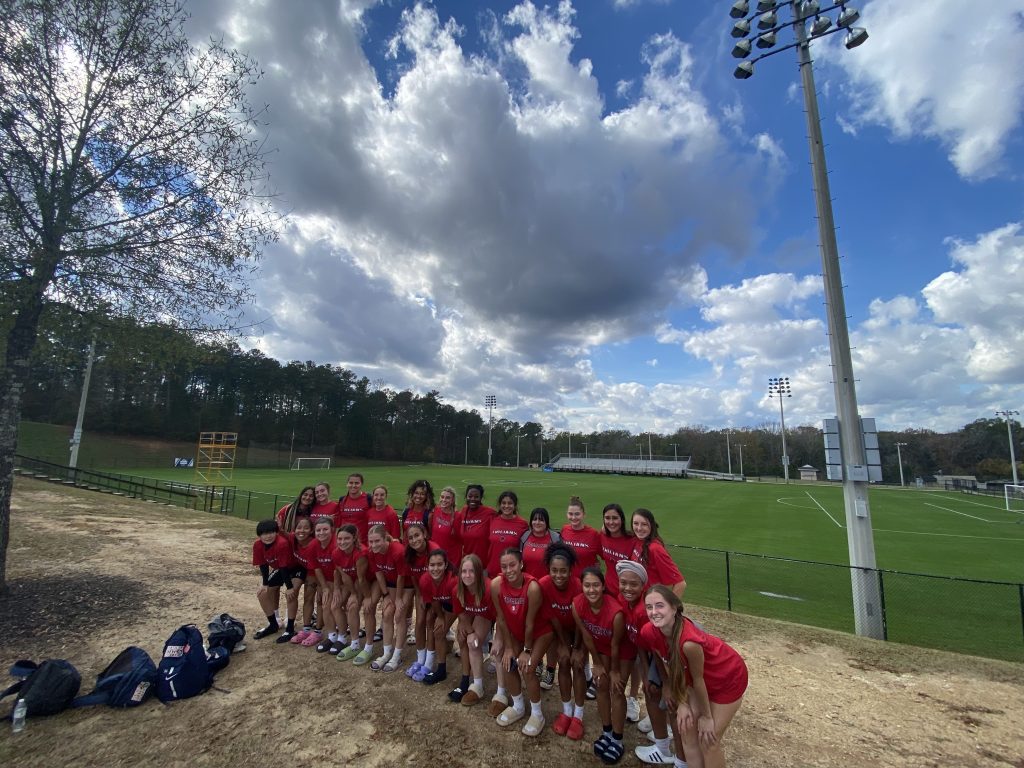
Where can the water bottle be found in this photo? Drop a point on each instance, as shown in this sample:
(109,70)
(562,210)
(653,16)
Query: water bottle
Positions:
(18,718)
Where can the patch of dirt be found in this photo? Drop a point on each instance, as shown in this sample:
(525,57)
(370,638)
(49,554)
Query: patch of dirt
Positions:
(98,573)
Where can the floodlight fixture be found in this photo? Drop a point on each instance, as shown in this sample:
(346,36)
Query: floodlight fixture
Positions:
(821,25)
(744,70)
(741,49)
(765,5)
(768,20)
(741,28)
(739,9)
(809,8)
(848,17)
(856,36)
(767,40)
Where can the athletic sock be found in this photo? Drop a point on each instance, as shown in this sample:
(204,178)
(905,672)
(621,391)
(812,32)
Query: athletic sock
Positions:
(387,651)
(617,737)
(421,657)
(442,670)
(290,628)
(535,710)
(275,617)
(464,683)
(518,704)
(356,645)
(477,681)
(664,746)
(343,638)
(567,708)
(502,692)
(332,636)
(606,729)
(428,659)
(272,620)
(680,763)
(577,711)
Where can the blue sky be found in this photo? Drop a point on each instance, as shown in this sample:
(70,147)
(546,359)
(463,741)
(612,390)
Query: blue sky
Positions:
(577,208)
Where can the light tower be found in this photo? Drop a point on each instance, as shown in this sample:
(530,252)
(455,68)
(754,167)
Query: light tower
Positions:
(490,401)
(1009,434)
(899,460)
(780,387)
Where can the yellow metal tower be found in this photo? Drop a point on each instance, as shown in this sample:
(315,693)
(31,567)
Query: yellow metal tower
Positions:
(215,456)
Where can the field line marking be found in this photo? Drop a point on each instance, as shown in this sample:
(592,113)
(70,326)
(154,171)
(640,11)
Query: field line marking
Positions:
(947,509)
(823,509)
(979,504)
(951,535)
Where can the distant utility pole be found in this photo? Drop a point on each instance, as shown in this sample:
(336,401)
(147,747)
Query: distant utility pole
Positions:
(899,460)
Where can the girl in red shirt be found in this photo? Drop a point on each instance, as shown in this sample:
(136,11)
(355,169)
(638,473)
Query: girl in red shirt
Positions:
(301,507)
(649,550)
(616,544)
(387,568)
(417,556)
(382,513)
(353,506)
(437,588)
(473,524)
(507,528)
(302,552)
(517,599)
(442,524)
(535,541)
(272,554)
(601,624)
(351,564)
(584,540)
(324,507)
(472,604)
(323,568)
(559,588)
(419,503)
(706,677)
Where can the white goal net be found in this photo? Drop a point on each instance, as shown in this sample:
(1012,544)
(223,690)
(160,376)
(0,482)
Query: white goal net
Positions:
(311,463)
(1014,498)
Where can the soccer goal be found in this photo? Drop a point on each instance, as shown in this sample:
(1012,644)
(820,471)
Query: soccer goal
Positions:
(1014,498)
(305,462)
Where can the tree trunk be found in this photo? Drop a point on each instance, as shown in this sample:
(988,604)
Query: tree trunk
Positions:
(14,376)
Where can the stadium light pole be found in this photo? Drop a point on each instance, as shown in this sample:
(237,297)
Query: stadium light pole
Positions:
(860,539)
(899,460)
(728,449)
(76,436)
(740,446)
(518,435)
(490,401)
(1009,434)
(586,450)
(780,387)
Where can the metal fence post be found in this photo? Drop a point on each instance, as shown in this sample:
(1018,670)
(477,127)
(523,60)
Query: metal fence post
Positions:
(881,603)
(1020,589)
(728,583)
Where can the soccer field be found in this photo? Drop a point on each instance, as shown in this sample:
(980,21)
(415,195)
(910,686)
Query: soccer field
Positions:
(931,532)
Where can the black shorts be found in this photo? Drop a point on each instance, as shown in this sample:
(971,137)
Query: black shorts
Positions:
(446,605)
(297,572)
(277,578)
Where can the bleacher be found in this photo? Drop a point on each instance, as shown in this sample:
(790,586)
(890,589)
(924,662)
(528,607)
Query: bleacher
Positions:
(623,465)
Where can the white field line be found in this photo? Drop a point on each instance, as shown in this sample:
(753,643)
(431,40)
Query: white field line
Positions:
(947,509)
(838,524)
(1001,507)
(949,535)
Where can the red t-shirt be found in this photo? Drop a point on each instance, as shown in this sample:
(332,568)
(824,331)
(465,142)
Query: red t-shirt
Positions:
(636,617)
(442,531)
(614,549)
(586,543)
(473,526)
(482,607)
(390,562)
(411,516)
(386,517)
(303,554)
(282,514)
(533,553)
(418,565)
(442,591)
(557,605)
(661,569)
(353,512)
(277,555)
(323,558)
(600,625)
(330,509)
(349,562)
(725,673)
(504,533)
(514,605)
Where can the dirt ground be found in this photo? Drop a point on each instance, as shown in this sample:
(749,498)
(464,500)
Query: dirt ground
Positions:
(90,574)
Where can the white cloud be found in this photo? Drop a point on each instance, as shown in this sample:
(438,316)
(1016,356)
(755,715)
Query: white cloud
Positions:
(947,69)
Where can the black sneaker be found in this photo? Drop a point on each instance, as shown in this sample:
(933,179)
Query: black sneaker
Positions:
(435,677)
(270,629)
(591,690)
(285,637)
(378,636)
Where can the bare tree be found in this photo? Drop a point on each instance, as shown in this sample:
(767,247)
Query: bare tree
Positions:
(132,178)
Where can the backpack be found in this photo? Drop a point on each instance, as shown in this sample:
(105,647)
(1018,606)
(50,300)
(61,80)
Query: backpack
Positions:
(225,631)
(47,688)
(183,671)
(126,682)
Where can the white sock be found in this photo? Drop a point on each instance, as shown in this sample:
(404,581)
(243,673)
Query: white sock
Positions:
(276,616)
(535,710)
(680,763)
(429,659)
(332,636)
(355,645)
(518,704)
(387,650)
(502,692)
(343,637)
(397,654)
(587,672)
(478,682)
(567,708)
(577,712)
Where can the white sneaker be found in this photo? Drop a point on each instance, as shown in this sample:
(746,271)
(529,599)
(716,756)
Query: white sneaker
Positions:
(653,756)
(644,726)
(632,709)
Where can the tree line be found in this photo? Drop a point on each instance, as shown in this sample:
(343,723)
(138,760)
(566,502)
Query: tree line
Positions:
(155,381)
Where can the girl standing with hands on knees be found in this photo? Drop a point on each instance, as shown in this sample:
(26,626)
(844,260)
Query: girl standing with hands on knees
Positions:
(706,677)
(471,602)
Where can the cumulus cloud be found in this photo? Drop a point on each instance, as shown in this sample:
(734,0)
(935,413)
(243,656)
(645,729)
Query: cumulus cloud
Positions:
(943,69)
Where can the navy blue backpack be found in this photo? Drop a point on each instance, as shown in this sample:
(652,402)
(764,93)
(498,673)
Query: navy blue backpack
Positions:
(126,682)
(183,671)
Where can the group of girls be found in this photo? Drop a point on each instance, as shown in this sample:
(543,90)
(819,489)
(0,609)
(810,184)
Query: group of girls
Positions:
(531,600)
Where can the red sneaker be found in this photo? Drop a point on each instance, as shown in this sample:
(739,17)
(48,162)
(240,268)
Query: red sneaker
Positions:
(561,724)
(575,729)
